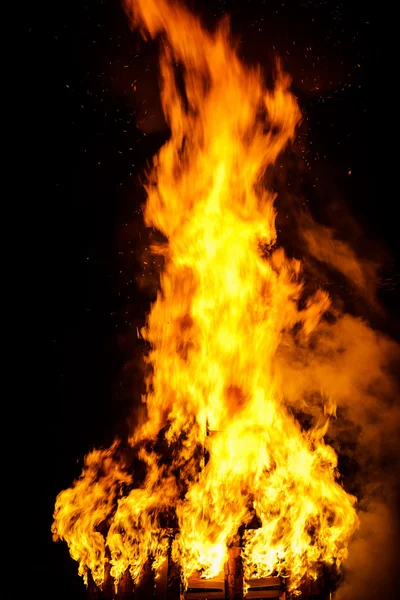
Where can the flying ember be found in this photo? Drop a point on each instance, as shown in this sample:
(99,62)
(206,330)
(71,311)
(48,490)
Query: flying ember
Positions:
(219,444)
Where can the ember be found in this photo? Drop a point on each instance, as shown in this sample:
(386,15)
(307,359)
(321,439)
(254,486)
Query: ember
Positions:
(229,494)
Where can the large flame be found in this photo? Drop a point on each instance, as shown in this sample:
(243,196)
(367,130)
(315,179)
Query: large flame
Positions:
(219,439)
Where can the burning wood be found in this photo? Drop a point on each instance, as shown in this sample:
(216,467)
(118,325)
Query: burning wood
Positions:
(200,589)
(230,306)
(165,584)
(268,587)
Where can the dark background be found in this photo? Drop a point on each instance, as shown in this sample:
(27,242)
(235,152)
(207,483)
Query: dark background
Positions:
(88,134)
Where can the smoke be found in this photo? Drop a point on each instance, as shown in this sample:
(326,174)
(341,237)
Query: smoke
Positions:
(371,568)
(352,366)
(347,371)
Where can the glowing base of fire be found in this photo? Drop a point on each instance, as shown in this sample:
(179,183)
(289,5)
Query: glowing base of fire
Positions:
(199,589)
(165,584)
(270,587)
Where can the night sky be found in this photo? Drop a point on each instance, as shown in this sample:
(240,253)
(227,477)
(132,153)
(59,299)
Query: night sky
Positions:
(93,123)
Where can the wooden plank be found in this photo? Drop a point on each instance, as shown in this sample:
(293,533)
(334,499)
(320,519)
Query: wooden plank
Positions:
(234,574)
(161,581)
(125,588)
(144,590)
(173,581)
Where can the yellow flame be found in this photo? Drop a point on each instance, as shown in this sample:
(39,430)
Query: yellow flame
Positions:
(227,300)
(82,510)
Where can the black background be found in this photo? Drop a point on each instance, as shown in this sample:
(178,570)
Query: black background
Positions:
(87,138)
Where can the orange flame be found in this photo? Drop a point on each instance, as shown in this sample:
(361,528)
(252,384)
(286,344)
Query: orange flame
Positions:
(227,301)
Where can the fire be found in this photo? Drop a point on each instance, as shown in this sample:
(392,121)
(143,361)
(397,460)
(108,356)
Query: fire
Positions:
(218,435)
